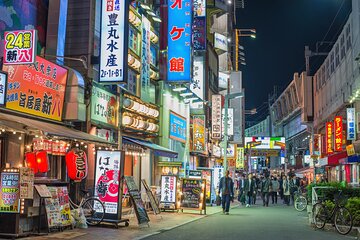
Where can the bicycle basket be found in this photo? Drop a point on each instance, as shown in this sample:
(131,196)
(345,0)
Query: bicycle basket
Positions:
(340,199)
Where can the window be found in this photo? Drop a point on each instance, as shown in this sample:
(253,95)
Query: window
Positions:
(332,63)
(323,75)
(337,57)
(348,38)
(342,45)
(327,70)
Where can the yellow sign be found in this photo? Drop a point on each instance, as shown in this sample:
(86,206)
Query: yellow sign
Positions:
(240,158)
(350,150)
(265,152)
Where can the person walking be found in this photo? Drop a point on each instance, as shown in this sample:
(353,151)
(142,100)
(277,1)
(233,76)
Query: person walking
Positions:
(249,189)
(286,187)
(256,188)
(241,185)
(275,189)
(226,187)
(281,189)
(294,186)
(265,189)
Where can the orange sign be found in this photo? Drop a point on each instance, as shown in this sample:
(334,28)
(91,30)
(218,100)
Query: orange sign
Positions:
(36,89)
(329,138)
(338,133)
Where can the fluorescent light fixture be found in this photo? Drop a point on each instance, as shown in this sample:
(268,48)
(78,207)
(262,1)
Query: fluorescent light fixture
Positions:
(151,13)
(253,36)
(156,19)
(229,40)
(179,89)
(191,99)
(186,94)
(229,2)
(144,6)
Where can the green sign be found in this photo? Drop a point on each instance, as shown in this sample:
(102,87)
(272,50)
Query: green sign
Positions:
(104,106)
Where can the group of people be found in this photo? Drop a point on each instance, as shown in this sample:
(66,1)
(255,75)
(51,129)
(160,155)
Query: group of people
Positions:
(267,186)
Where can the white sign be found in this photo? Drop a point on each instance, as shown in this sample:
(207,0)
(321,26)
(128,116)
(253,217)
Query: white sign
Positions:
(197,82)
(113,52)
(230,151)
(216,151)
(3,80)
(223,80)
(307,159)
(107,178)
(265,142)
(218,174)
(106,134)
(220,42)
(230,127)
(168,189)
(351,133)
(216,117)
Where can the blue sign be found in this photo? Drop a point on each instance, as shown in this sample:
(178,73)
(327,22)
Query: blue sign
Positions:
(177,127)
(350,112)
(179,39)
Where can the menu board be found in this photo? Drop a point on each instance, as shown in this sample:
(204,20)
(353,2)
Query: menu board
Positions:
(10,192)
(168,189)
(58,207)
(135,197)
(193,191)
(26,183)
(153,203)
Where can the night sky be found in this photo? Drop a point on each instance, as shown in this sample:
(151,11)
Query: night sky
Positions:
(283,28)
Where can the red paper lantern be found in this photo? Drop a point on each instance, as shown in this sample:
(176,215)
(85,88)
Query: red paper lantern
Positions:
(76,163)
(30,159)
(42,161)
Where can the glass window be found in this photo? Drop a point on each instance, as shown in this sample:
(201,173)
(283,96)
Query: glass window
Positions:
(332,63)
(337,57)
(342,45)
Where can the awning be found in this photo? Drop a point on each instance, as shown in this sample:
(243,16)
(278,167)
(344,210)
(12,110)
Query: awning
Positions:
(333,160)
(157,149)
(50,129)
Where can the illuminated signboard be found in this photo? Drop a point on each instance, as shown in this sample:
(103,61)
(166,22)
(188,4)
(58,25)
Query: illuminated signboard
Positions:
(179,40)
(216,117)
(220,42)
(177,127)
(20,47)
(350,112)
(230,122)
(338,127)
(113,52)
(168,189)
(3,81)
(240,159)
(145,57)
(329,137)
(104,106)
(10,192)
(197,82)
(265,142)
(199,25)
(199,144)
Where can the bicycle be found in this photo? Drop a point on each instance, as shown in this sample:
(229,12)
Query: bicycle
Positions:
(94,209)
(300,202)
(340,215)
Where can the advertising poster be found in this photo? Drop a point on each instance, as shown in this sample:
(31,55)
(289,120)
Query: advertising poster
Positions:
(199,144)
(26,183)
(107,177)
(350,116)
(168,189)
(179,41)
(216,117)
(37,89)
(3,82)
(58,207)
(104,106)
(20,47)
(192,190)
(10,192)
(338,127)
(177,127)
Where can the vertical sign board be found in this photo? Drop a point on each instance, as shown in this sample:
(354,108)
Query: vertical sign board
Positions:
(338,129)
(199,143)
(10,192)
(3,82)
(179,41)
(350,115)
(26,183)
(113,38)
(104,106)
(197,82)
(20,47)
(240,159)
(220,42)
(207,174)
(216,117)
(108,172)
(177,127)
(218,174)
(230,122)
(329,138)
(199,25)
(168,190)
(145,57)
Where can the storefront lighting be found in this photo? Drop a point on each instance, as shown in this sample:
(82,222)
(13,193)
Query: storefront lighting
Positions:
(57,141)
(156,19)
(20,138)
(82,143)
(85,146)
(77,145)
(106,149)
(3,130)
(27,146)
(144,6)
(179,89)
(186,94)
(99,148)
(151,13)
(192,99)
(14,132)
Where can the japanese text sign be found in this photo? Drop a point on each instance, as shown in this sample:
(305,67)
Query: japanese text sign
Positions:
(351,133)
(104,106)
(199,143)
(168,189)
(329,137)
(220,42)
(26,183)
(107,177)
(36,89)
(3,81)
(20,47)
(113,52)
(230,121)
(177,127)
(10,192)
(240,159)
(216,117)
(193,192)
(58,207)
(338,122)
(179,40)
(145,57)
(197,82)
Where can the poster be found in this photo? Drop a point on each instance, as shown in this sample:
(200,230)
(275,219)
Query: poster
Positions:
(58,207)
(107,177)
(104,106)
(10,192)
(177,127)
(37,89)
(199,143)
(192,193)
(26,183)
(168,189)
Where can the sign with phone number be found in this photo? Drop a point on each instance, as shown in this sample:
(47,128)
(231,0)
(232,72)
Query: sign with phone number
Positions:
(20,47)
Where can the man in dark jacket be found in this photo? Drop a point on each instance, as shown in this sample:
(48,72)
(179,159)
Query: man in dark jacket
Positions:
(226,187)
(265,189)
(249,189)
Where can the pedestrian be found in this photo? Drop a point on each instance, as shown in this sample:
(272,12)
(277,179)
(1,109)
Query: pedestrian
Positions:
(256,181)
(281,189)
(294,186)
(265,189)
(226,187)
(249,189)
(275,189)
(286,187)
(241,184)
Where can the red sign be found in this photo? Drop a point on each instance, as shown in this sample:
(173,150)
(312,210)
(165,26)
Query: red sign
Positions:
(329,137)
(338,121)
(20,47)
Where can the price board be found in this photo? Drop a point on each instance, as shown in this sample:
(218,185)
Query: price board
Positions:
(9,192)
(193,193)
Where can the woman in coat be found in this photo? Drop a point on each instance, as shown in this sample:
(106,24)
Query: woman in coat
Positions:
(286,189)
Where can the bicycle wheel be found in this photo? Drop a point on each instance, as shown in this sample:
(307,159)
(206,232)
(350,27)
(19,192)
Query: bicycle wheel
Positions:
(343,221)
(300,203)
(320,215)
(94,211)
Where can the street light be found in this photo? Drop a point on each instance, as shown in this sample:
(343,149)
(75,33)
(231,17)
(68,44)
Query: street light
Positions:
(227,98)
(250,32)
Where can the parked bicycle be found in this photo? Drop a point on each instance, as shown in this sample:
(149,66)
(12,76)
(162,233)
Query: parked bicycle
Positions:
(94,209)
(300,202)
(339,215)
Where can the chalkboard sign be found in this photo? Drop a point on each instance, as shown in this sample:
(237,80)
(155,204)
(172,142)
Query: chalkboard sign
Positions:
(135,197)
(193,192)
(153,202)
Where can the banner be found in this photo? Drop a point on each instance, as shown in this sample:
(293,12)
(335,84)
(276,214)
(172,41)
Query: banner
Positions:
(10,192)
(240,159)
(329,138)
(113,39)
(145,58)
(265,142)
(216,117)
(350,116)
(20,47)
(338,129)
(168,189)
(177,127)
(104,106)
(179,41)
(197,82)
(230,122)
(199,33)
(199,143)
(36,89)
(26,183)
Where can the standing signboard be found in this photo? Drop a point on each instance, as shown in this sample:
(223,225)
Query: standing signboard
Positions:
(177,127)
(10,192)
(154,204)
(193,194)
(26,183)
(137,202)
(216,117)
(104,106)
(207,174)
(168,192)
(3,83)
(351,132)
(108,173)
(58,207)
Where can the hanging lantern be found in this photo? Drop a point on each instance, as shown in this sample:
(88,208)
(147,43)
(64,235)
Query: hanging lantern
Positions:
(42,161)
(76,164)
(30,159)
